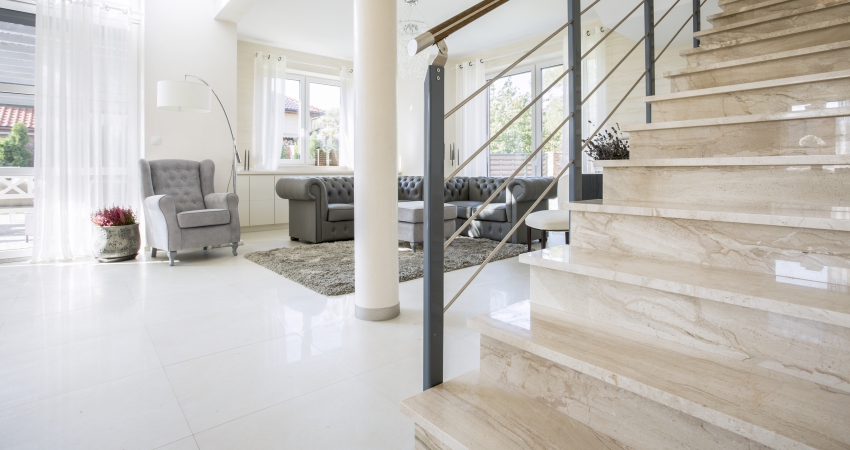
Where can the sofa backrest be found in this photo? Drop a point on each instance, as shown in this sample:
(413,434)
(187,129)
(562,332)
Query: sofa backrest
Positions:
(456,190)
(410,188)
(481,188)
(339,189)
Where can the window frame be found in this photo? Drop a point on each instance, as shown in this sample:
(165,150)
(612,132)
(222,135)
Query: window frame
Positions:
(536,68)
(305,127)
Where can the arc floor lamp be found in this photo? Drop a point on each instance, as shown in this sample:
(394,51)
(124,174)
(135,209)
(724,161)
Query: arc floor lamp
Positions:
(187,96)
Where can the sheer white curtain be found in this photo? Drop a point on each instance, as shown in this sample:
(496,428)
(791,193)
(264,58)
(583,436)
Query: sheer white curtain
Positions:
(88,94)
(269,110)
(346,118)
(472,126)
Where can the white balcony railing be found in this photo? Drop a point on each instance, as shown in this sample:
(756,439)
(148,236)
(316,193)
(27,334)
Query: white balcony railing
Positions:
(17,186)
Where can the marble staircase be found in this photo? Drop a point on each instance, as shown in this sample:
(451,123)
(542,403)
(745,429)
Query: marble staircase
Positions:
(705,302)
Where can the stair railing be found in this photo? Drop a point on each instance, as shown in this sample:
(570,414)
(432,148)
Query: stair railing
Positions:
(434,244)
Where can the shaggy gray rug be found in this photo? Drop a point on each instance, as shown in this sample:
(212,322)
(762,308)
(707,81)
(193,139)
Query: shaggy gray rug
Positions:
(329,268)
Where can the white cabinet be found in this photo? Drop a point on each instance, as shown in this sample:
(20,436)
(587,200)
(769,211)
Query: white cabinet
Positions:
(281,207)
(261,200)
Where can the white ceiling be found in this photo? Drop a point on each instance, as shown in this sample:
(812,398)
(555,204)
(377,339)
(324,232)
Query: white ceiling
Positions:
(325,27)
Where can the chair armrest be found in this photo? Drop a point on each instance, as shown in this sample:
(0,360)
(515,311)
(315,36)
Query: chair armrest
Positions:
(299,188)
(530,189)
(224,200)
(230,202)
(163,232)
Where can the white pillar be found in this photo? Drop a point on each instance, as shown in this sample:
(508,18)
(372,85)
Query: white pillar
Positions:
(375,166)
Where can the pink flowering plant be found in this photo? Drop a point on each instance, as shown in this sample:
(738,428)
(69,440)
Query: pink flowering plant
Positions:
(115,216)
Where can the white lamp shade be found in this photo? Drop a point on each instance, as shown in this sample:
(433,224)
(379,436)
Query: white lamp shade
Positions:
(183,96)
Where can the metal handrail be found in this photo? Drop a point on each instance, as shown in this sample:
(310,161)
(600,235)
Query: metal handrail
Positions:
(507,125)
(502,186)
(454,24)
(507,69)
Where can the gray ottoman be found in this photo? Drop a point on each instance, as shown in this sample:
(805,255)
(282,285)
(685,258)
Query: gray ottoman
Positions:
(411,222)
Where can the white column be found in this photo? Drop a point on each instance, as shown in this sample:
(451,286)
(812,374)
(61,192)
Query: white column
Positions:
(375,161)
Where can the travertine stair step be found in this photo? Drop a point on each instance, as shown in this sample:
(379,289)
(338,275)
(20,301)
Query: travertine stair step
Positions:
(804,93)
(829,31)
(474,412)
(784,64)
(755,10)
(771,22)
(737,5)
(783,321)
(816,132)
(773,409)
(815,181)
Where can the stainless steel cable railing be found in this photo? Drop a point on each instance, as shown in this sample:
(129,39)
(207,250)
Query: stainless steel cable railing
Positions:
(435,181)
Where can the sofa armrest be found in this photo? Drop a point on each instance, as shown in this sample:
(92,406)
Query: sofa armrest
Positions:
(230,202)
(530,189)
(162,230)
(299,188)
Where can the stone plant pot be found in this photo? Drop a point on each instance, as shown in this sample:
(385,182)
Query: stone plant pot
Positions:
(112,244)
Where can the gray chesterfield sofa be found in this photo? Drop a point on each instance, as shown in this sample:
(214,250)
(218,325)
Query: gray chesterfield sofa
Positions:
(321,209)
(181,207)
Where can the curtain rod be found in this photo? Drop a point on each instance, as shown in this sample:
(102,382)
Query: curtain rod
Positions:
(306,63)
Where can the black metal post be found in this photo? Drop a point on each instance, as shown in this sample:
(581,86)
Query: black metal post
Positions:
(697,21)
(574,98)
(433,234)
(649,52)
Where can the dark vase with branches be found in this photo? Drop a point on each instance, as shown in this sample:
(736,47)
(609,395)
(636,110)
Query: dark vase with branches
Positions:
(606,145)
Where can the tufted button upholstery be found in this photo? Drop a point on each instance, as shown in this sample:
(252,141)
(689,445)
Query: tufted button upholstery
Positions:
(481,188)
(180,180)
(410,188)
(457,189)
(339,189)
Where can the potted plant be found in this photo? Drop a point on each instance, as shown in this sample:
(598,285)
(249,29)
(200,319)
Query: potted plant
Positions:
(606,145)
(115,235)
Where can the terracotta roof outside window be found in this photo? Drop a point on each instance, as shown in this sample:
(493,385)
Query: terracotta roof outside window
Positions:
(10,115)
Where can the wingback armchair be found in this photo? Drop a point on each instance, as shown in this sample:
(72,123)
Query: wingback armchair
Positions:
(182,210)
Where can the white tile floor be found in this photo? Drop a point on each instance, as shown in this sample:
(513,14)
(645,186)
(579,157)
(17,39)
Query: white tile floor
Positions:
(216,352)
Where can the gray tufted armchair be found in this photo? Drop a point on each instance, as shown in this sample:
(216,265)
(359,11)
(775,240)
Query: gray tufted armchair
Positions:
(321,209)
(183,211)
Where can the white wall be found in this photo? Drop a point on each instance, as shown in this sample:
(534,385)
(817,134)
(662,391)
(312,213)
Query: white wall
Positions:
(181,37)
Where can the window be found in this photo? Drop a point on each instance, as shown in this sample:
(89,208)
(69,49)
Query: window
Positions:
(315,128)
(506,97)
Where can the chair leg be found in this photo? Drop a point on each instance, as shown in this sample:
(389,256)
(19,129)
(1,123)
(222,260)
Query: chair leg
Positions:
(153,252)
(543,240)
(567,237)
(413,246)
(528,237)
(235,245)
(206,248)
(171,256)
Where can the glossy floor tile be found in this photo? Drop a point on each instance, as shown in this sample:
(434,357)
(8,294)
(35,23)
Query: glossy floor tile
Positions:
(217,352)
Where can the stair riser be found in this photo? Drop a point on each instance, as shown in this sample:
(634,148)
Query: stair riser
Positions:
(760,29)
(810,350)
(805,64)
(756,13)
(821,136)
(423,440)
(636,421)
(740,4)
(806,256)
(772,100)
(811,38)
(802,185)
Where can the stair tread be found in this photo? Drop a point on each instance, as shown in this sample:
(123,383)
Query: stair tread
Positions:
(749,8)
(774,409)
(775,214)
(750,118)
(792,290)
(778,15)
(475,412)
(755,85)
(758,59)
(795,160)
(787,33)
